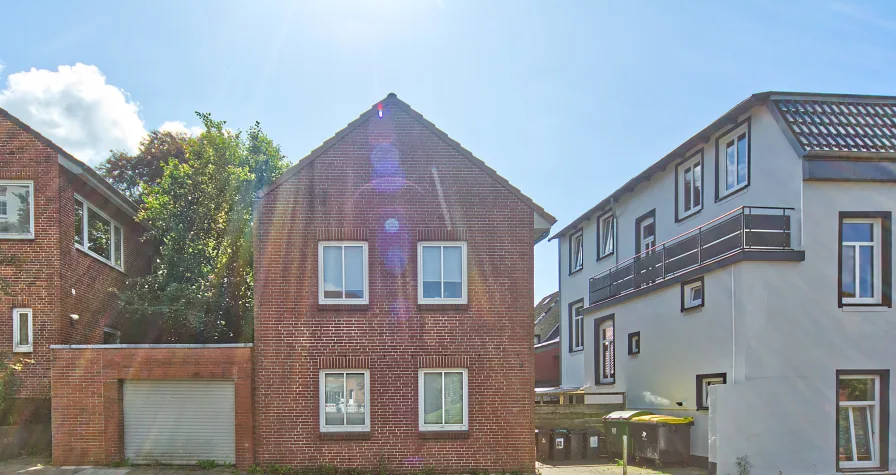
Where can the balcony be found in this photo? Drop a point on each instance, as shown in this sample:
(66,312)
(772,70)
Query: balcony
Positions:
(743,229)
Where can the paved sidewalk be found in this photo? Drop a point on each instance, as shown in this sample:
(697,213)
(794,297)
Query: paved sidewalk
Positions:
(38,465)
(565,468)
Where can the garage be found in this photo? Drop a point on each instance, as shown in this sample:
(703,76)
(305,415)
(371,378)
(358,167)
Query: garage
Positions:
(178,421)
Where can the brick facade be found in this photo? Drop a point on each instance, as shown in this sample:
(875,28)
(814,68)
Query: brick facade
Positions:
(88,425)
(52,267)
(393,181)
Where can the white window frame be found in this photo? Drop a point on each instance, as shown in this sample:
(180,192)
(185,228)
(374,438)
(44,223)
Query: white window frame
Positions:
(606,347)
(463,289)
(437,427)
(683,169)
(706,383)
(722,142)
(320,273)
(643,224)
(30,185)
(604,239)
(323,400)
(577,251)
(689,300)
(85,244)
(578,327)
(876,247)
(874,423)
(16,347)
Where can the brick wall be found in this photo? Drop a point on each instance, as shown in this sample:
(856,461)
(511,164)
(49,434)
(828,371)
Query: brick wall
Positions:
(547,366)
(392,182)
(88,426)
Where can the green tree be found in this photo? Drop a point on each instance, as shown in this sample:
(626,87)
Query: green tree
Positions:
(200,215)
(131,173)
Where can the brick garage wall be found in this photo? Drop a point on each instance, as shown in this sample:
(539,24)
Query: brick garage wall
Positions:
(36,284)
(88,425)
(547,366)
(394,170)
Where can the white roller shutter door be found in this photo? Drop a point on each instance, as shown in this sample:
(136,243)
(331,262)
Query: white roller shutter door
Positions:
(179,422)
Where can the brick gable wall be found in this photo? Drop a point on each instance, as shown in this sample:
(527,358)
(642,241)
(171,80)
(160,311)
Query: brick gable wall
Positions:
(393,182)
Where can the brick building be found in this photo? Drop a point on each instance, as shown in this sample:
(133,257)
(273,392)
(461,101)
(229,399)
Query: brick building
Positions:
(68,239)
(393,290)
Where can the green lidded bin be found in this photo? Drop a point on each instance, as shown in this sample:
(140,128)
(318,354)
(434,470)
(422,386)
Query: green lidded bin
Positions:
(616,424)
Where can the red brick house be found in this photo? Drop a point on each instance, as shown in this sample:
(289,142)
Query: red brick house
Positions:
(68,239)
(393,290)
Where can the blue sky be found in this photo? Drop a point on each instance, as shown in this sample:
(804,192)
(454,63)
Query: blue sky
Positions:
(567,100)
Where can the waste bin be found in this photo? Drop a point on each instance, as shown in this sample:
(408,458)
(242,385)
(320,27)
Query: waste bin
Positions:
(615,426)
(661,438)
(542,444)
(576,444)
(559,444)
(594,445)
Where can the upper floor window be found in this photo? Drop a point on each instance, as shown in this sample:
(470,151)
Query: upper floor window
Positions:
(16,209)
(577,326)
(576,251)
(733,160)
(442,272)
(689,186)
(606,351)
(861,419)
(607,235)
(645,232)
(864,258)
(443,399)
(342,272)
(22,332)
(98,235)
(344,401)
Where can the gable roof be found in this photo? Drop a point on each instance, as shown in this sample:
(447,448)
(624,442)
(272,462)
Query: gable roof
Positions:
(392,99)
(83,170)
(803,129)
(547,317)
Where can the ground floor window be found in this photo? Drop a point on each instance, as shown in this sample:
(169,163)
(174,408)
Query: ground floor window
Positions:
(344,400)
(443,399)
(862,415)
(21,330)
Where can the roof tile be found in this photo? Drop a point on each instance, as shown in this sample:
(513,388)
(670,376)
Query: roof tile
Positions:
(840,125)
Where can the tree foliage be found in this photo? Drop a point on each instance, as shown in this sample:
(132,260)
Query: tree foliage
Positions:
(130,173)
(200,214)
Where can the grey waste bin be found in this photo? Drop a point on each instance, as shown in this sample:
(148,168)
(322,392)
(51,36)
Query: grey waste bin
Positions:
(593,444)
(663,439)
(576,444)
(559,444)
(542,444)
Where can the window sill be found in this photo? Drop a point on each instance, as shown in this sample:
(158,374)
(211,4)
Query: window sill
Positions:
(23,350)
(733,193)
(604,257)
(576,271)
(348,435)
(20,237)
(443,306)
(444,434)
(360,307)
(682,220)
(864,308)
(612,383)
(577,350)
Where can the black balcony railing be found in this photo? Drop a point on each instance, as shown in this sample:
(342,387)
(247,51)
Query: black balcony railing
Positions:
(747,227)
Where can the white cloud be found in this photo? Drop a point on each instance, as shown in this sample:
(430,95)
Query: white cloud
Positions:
(180,127)
(75,107)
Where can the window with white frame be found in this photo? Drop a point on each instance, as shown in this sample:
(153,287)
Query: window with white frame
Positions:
(22,332)
(690,186)
(607,233)
(97,234)
(16,209)
(860,261)
(443,399)
(576,251)
(704,382)
(606,363)
(344,400)
(577,329)
(860,422)
(692,293)
(342,272)
(442,272)
(733,160)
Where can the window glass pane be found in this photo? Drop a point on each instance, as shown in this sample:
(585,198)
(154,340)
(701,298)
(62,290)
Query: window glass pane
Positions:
(17,207)
(866,271)
(354,272)
(847,275)
(730,166)
(578,256)
(863,435)
(580,332)
(844,435)
(697,198)
(334,399)
(454,398)
(99,234)
(858,232)
(79,222)
(432,272)
(742,159)
(432,398)
(857,389)
(354,406)
(697,294)
(453,261)
(116,243)
(23,339)
(607,236)
(333,272)
(687,189)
